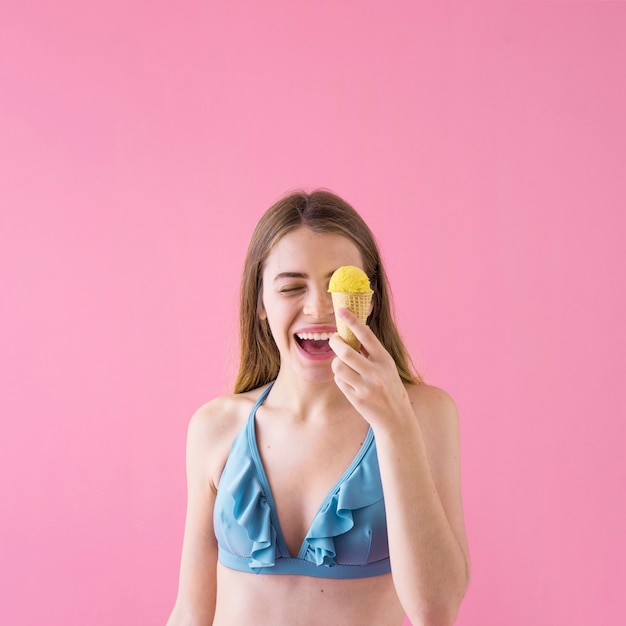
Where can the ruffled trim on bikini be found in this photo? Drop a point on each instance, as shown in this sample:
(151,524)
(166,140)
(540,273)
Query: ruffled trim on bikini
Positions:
(361,489)
(253,513)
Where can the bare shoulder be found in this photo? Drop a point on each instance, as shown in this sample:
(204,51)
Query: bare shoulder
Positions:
(218,417)
(213,428)
(437,415)
(432,403)
(439,423)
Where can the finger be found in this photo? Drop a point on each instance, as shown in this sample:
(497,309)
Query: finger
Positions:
(344,352)
(345,374)
(361,331)
(347,381)
(347,390)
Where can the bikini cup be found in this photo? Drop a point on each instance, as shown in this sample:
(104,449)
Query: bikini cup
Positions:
(347,538)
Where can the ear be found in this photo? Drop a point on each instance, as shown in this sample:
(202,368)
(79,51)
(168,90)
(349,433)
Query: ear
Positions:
(262,314)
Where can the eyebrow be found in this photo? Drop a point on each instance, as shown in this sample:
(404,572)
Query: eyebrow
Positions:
(295,275)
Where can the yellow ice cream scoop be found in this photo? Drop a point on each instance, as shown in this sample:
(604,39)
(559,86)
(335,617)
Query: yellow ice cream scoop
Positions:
(350,289)
(349,279)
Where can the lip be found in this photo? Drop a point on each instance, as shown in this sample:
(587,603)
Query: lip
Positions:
(316,329)
(323,356)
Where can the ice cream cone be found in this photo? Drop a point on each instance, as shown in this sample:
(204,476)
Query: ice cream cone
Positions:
(359,304)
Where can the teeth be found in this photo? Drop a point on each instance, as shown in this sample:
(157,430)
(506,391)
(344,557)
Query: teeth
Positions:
(314,336)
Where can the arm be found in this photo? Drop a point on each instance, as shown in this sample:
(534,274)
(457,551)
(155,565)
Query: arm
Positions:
(420,471)
(195,602)
(416,431)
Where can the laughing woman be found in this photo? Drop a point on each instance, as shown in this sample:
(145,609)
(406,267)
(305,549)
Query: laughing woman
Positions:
(326,489)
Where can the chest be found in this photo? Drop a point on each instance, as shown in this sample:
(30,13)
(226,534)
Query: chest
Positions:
(303,465)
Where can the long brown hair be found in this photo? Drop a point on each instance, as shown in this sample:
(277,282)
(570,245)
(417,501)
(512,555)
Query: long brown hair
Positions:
(322,212)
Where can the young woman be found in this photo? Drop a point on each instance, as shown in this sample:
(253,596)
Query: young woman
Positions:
(326,490)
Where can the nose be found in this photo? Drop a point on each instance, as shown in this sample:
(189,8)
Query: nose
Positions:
(318,303)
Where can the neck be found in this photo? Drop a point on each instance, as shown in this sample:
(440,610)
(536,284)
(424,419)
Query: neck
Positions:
(307,401)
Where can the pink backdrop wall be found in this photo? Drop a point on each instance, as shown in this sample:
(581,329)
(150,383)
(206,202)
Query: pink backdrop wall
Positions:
(139,142)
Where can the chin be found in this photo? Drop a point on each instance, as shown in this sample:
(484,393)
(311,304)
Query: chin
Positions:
(312,371)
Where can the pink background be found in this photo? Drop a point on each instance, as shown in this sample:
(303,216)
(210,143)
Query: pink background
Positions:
(139,142)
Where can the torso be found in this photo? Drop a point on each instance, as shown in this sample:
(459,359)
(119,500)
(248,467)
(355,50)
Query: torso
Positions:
(304,601)
(302,462)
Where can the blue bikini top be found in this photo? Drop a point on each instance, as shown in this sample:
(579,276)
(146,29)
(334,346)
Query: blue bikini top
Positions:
(348,536)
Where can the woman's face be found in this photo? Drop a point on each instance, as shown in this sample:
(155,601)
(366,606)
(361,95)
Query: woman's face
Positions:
(295,300)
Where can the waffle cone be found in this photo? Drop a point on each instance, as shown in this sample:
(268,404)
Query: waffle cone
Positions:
(359,304)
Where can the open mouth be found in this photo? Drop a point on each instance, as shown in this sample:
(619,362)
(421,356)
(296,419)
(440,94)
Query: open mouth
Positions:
(315,344)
